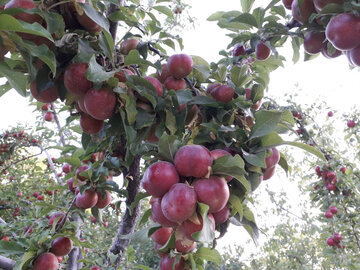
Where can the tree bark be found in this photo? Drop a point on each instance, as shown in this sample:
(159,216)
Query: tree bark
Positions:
(114,25)
(75,254)
(128,222)
(6,263)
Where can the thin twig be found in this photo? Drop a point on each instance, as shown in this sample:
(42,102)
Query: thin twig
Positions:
(20,160)
(136,70)
(151,48)
(63,220)
(193,89)
(51,165)
(353,229)
(62,140)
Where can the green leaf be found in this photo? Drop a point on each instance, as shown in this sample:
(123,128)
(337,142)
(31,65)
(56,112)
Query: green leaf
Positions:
(271,4)
(183,96)
(251,228)
(257,92)
(205,100)
(253,178)
(169,244)
(133,58)
(334,8)
(273,139)
(265,122)
(11,248)
(130,132)
(145,217)
(270,140)
(96,16)
(170,122)
(130,107)
(259,14)
(283,163)
(279,10)
(97,213)
(9,23)
(216,16)
(45,54)
(206,234)
(239,75)
(85,140)
(236,205)
(201,68)
(25,260)
(144,87)
(220,73)
(295,43)
(287,116)
(54,23)
(138,198)
(307,148)
(233,166)
(85,52)
(5,88)
(106,44)
(168,145)
(246,18)
(246,5)
(143,119)
(209,254)
(165,10)
(142,235)
(257,159)
(96,73)
(17,80)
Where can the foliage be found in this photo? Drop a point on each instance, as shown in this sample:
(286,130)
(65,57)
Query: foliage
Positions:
(147,122)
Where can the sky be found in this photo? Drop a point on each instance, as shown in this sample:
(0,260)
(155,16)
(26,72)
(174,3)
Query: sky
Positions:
(320,79)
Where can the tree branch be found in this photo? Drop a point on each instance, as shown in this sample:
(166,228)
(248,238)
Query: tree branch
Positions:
(114,25)
(151,48)
(16,162)
(51,164)
(193,89)
(62,140)
(6,263)
(75,254)
(128,222)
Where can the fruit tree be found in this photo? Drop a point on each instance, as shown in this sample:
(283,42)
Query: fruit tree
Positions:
(187,139)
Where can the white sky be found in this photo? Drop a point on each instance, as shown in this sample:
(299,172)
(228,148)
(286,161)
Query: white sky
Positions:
(323,79)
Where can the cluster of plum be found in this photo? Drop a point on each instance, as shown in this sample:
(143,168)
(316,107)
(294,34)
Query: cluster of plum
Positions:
(75,18)
(49,115)
(335,240)
(177,187)
(225,93)
(330,180)
(176,190)
(60,247)
(91,197)
(328,177)
(342,31)
(12,139)
(262,51)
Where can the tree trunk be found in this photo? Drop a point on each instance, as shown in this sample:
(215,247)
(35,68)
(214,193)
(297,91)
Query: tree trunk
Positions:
(128,222)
